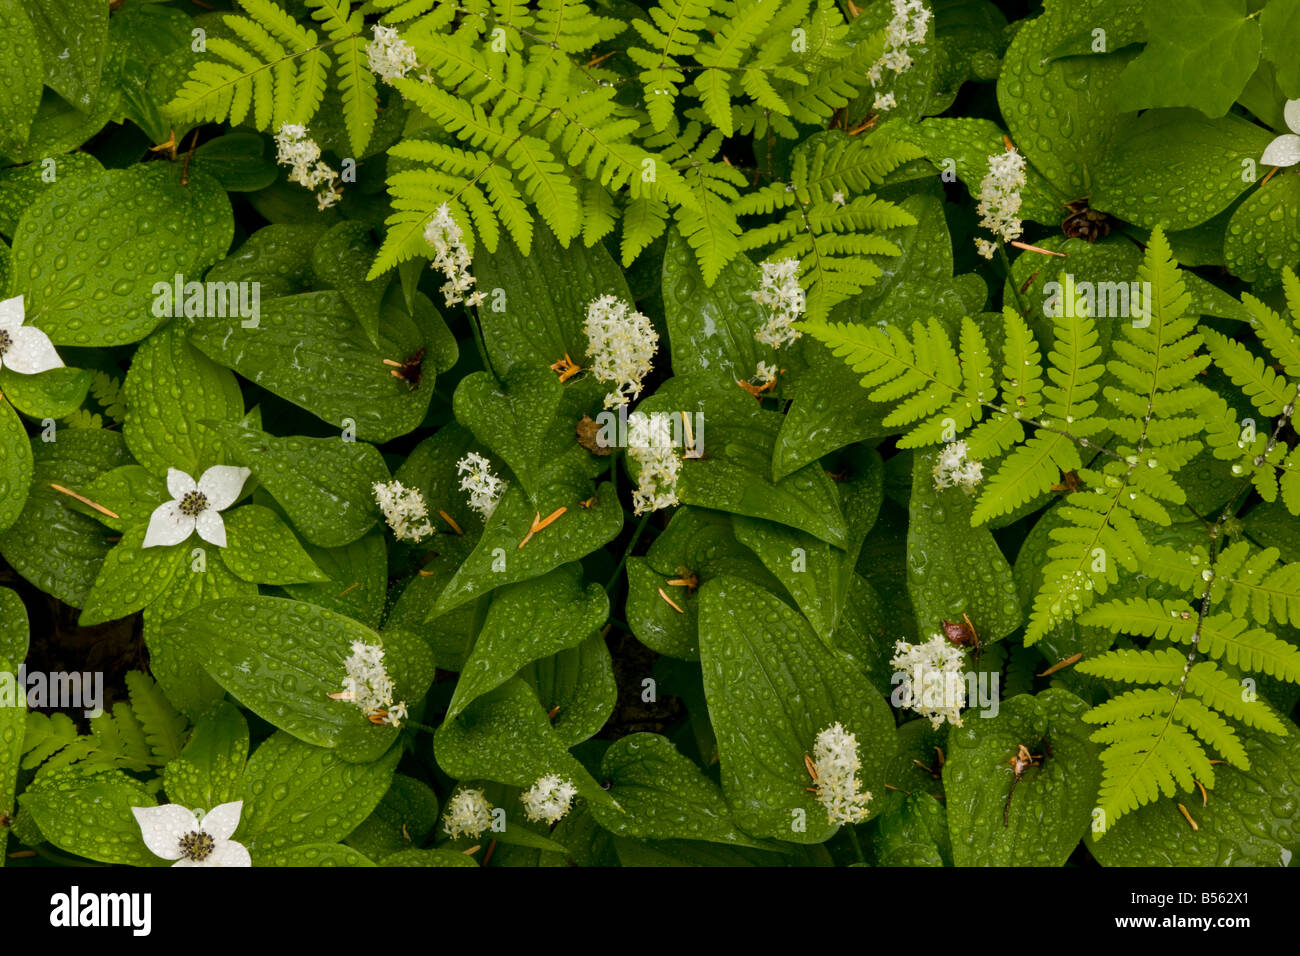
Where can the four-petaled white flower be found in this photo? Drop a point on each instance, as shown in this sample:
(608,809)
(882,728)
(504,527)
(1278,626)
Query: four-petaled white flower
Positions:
(1285,150)
(175,833)
(549,798)
(24,348)
(194,505)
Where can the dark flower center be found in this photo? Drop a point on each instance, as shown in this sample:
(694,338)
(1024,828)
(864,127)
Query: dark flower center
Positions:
(6,341)
(193,503)
(197,846)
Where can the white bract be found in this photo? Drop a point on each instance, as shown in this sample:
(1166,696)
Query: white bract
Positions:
(784,297)
(404,510)
(389,56)
(175,833)
(485,489)
(836,758)
(1285,150)
(954,469)
(549,798)
(194,506)
(930,679)
(468,813)
(24,349)
(621,342)
(999,203)
(650,444)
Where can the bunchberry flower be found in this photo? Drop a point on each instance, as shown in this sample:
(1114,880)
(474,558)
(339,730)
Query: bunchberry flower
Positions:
(24,349)
(195,506)
(175,833)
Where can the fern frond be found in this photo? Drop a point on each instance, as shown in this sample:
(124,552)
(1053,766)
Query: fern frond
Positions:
(346,27)
(671,31)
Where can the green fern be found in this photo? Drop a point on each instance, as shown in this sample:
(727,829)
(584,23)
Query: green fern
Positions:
(107,392)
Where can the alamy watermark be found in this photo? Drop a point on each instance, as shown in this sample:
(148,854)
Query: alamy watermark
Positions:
(1100,300)
(193,299)
(57,690)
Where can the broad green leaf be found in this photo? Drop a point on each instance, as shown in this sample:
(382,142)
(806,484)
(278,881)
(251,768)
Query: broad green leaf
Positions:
(1279,25)
(283,659)
(13,713)
(132,577)
(20,185)
(51,545)
(91,250)
(301,341)
(577,685)
(1200,54)
(73,35)
(357,582)
(277,257)
(131,492)
(696,543)
(14,629)
(760,657)
(174,394)
(1264,232)
(1248,819)
(428,858)
(88,812)
(295,793)
(261,549)
(210,770)
(527,622)
(21,77)
(505,736)
(1177,167)
(325,485)
(953,568)
(16,466)
(312,854)
(55,393)
(405,816)
(340,260)
(242,163)
(663,795)
(1052,803)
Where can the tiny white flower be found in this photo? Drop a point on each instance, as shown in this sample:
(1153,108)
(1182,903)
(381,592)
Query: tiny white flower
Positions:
(931,679)
(999,202)
(176,833)
(195,506)
(884,102)
(909,25)
(622,343)
(468,813)
(549,798)
(650,444)
(404,510)
(986,248)
(485,489)
(784,297)
(835,757)
(366,685)
(954,470)
(1285,150)
(389,55)
(24,349)
(450,256)
(302,156)
(838,198)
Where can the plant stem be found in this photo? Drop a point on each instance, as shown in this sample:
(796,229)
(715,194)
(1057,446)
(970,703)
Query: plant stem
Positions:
(636,536)
(857,845)
(1011,280)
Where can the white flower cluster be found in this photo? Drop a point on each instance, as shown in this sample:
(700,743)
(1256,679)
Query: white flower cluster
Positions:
(836,758)
(404,510)
(930,679)
(999,205)
(468,813)
(954,469)
(764,375)
(909,25)
(451,257)
(368,686)
(549,798)
(302,156)
(650,443)
(485,489)
(784,297)
(389,55)
(622,343)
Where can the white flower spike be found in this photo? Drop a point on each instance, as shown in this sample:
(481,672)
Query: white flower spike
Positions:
(1285,150)
(468,813)
(24,348)
(194,506)
(549,798)
(175,833)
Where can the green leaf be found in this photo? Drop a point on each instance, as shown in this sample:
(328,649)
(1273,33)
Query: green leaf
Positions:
(358,579)
(89,813)
(261,549)
(13,713)
(278,257)
(1176,167)
(174,393)
(429,858)
(340,260)
(21,77)
(51,545)
(312,854)
(295,793)
(210,770)
(1264,232)
(526,622)
(132,577)
(577,685)
(283,659)
(303,340)
(405,816)
(1051,806)
(161,725)
(1279,25)
(663,795)
(325,485)
(953,568)
(91,250)
(1200,54)
(758,656)
(505,736)
(238,161)
(55,393)
(16,465)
